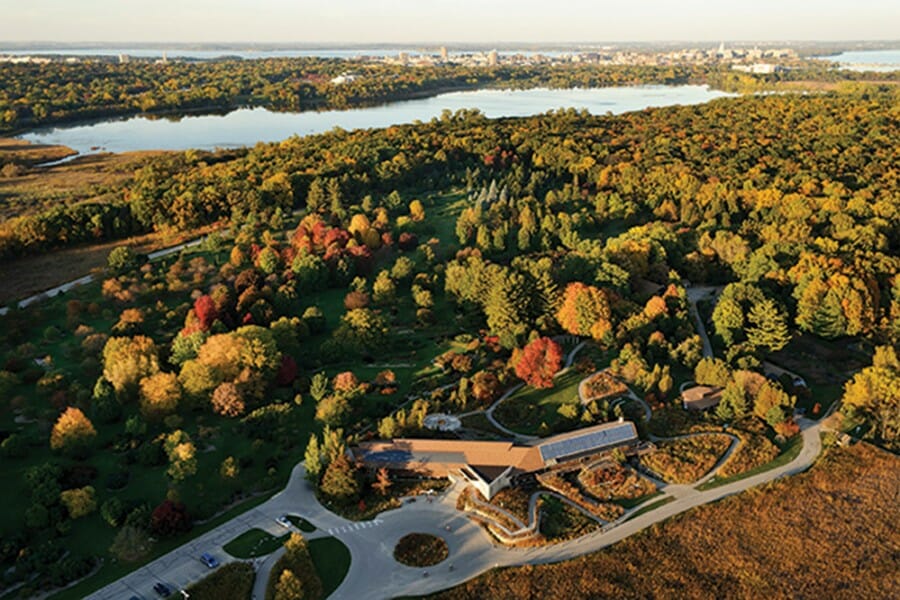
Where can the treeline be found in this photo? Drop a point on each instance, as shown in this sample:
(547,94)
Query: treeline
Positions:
(34,95)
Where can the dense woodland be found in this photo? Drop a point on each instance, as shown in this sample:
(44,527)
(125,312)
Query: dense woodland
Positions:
(438,260)
(35,94)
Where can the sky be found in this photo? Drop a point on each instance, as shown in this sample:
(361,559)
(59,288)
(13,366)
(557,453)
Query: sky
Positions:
(469,21)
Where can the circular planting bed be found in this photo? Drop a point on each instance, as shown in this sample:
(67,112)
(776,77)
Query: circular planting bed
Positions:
(420,550)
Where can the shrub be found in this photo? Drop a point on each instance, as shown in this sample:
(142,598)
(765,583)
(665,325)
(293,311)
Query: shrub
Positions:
(420,550)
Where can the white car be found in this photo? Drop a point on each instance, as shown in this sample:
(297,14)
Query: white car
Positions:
(284,521)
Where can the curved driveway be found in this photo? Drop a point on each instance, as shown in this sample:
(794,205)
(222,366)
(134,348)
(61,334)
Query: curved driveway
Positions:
(373,572)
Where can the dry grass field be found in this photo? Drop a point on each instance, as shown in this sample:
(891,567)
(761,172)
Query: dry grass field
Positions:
(832,532)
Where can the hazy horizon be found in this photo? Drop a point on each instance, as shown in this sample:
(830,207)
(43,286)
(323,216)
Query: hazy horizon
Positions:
(410,22)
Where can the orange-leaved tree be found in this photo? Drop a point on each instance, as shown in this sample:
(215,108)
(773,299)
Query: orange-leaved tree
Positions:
(538,362)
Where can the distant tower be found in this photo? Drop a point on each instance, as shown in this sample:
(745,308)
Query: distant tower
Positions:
(721,51)
(123,58)
(165,58)
(403,57)
(492,58)
(444,53)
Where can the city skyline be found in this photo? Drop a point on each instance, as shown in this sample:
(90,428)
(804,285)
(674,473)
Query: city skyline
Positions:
(444,21)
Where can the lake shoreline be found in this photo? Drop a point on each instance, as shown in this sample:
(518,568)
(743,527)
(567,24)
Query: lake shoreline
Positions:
(214,127)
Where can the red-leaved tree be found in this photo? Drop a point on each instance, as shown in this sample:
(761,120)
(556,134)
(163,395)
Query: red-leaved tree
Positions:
(538,362)
(170,518)
(206,311)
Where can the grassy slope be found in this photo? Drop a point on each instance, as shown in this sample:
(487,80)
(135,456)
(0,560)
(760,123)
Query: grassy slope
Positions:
(823,534)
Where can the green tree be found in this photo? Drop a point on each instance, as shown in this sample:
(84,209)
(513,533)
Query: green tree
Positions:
(340,482)
(768,326)
(509,306)
(73,432)
(313,459)
(182,455)
(79,502)
(289,587)
(121,259)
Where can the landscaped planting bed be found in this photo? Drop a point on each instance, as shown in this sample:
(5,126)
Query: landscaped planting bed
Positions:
(686,460)
(561,522)
(234,580)
(253,543)
(601,386)
(613,481)
(514,501)
(755,450)
(421,550)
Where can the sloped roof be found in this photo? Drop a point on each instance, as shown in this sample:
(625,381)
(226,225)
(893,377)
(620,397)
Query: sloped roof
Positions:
(701,397)
(458,452)
(586,440)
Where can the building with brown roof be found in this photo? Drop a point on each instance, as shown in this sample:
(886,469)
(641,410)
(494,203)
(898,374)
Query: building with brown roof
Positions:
(492,466)
(701,397)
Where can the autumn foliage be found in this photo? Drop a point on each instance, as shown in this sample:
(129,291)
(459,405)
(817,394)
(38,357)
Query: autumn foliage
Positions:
(585,311)
(538,362)
(72,429)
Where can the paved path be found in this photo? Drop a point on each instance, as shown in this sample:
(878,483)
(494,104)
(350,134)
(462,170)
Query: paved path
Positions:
(89,278)
(489,413)
(700,293)
(373,572)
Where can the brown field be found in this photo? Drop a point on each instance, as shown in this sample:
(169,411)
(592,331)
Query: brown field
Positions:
(829,86)
(28,189)
(832,532)
(23,277)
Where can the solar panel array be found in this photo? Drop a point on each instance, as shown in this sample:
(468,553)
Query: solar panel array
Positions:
(587,442)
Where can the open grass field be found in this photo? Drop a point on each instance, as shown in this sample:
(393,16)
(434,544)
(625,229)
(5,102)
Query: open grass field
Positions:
(828,533)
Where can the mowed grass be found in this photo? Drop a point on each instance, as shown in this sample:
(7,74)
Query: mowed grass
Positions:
(332,560)
(253,543)
(529,408)
(301,524)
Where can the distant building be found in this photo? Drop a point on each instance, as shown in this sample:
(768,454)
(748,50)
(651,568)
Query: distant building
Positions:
(343,78)
(493,58)
(124,59)
(758,68)
(493,466)
(403,57)
(701,397)
(444,53)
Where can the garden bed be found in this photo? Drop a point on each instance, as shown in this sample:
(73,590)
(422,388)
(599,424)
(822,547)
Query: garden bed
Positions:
(602,386)
(615,482)
(687,459)
(421,550)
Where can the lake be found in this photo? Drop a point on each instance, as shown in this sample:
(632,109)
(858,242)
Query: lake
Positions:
(247,126)
(867,60)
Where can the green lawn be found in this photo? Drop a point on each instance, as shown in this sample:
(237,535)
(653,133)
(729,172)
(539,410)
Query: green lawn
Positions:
(112,570)
(301,524)
(651,506)
(632,502)
(253,543)
(332,560)
(528,408)
(479,422)
(788,453)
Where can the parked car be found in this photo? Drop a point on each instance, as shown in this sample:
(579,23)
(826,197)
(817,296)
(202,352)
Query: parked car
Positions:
(162,589)
(209,560)
(284,521)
